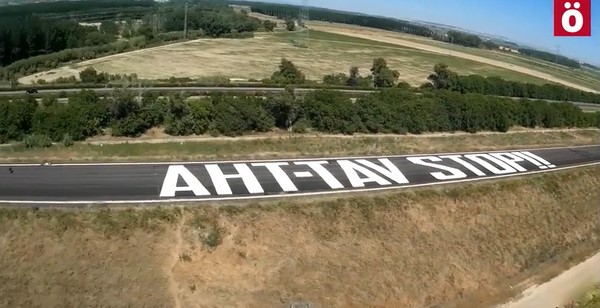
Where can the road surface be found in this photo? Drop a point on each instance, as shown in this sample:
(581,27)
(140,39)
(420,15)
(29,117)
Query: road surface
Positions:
(239,180)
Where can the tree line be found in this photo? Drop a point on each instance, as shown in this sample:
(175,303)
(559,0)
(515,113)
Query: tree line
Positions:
(285,11)
(444,78)
(70,7)
(26,36)
(550,57)
(29,43)
(391,110)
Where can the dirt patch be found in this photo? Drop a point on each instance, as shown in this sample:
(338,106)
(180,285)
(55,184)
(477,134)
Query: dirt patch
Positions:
(463,246)
(395,38)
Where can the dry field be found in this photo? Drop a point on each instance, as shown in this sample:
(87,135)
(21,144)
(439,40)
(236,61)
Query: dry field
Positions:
(259,57)
(400,39)
(465,246)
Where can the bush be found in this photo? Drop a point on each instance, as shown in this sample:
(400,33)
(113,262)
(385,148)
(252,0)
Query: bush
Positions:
(68,140)
(37,141)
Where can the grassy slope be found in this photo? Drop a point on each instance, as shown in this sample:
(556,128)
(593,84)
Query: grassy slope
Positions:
(298,146)
(461,245)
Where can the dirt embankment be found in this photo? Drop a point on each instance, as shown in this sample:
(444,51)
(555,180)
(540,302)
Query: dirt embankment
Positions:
(464,246)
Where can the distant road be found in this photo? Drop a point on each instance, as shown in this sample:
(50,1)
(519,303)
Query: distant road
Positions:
(182,89)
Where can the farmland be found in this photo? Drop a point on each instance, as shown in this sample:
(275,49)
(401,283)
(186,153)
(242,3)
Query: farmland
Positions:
(257,58)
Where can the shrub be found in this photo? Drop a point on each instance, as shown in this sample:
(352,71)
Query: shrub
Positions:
(67,140)
(37,141)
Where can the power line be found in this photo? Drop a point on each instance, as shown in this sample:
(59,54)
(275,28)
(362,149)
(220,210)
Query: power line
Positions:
(185,23)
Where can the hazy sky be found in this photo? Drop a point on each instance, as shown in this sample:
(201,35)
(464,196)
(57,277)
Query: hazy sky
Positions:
(526,21)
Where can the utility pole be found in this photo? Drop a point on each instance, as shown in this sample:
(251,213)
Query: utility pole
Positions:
(185,22)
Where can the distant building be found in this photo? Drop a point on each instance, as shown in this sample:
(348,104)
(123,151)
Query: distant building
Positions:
(508,49)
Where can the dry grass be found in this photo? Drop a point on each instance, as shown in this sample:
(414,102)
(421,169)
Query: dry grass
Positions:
(426,45)
(259,57)
(463,246)
(289,146)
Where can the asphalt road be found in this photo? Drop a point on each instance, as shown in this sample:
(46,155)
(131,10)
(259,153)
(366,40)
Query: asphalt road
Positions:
(205,181)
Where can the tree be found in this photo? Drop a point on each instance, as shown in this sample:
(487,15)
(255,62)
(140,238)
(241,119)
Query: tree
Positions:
(269,25)
(109,27)
(354,75)
(382,75)
(88,75)
(443,78)
(290,25)
(288,73)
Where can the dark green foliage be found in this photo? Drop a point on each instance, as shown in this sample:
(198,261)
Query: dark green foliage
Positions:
(288,73)
(444,78)
(392,110)
(290,25)
(269,25)
(382,75)
(29,43)
(286,11)
(67,140)
(464,39)
(37,141)
(27,36)
(90,75)
(551,57)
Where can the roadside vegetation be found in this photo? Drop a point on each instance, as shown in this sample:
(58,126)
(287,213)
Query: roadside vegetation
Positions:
(461,245)
(397,109)
(281,145)
(591,299)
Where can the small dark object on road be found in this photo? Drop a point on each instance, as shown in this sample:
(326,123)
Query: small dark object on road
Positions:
(31,91)
(10,169)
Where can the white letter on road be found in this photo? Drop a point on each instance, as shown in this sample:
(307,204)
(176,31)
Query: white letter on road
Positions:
(220,180)
(391,171)
(169,187)
(478,158)
(351,169)
(280,176)
(458,159)
(317,166)
(510,159)
(455,173)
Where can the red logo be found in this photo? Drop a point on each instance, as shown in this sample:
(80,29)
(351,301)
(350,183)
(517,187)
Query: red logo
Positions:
(572,18)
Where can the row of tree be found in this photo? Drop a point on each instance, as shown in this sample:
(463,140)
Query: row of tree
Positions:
(550,57)
(388,111)
(29,44)
(26,36)
(444,78)
(286,12)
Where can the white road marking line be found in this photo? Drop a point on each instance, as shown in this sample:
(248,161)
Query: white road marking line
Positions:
(303,174)
(332,192)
